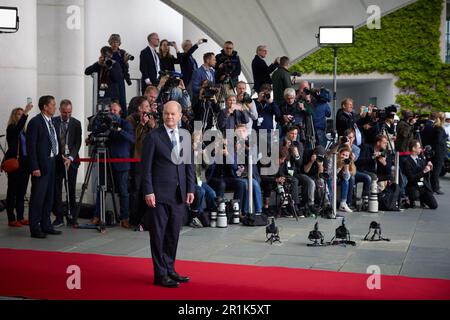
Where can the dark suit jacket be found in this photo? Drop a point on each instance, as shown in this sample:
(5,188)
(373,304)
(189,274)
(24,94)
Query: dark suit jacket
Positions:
(120,144)
(12,137)
(112,78)
(160,176)
(414,173)
(39,145)
(262,72)
(148,67)
(188,64)
(73,138)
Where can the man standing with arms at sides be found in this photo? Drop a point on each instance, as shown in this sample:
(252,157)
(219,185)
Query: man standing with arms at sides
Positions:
(261,71)
(43,148)
(167,187)
(149,63)
(69,131)
(281,81)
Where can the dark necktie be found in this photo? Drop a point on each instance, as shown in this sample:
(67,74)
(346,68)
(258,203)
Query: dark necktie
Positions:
(64,127)
(52,138)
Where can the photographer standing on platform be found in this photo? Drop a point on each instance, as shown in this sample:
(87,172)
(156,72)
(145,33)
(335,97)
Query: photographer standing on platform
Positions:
(281,79)
(119,146)
(228,65)
(69,131)
(205,72)
(109,75)
(122,58)
(261,71)
(187,62)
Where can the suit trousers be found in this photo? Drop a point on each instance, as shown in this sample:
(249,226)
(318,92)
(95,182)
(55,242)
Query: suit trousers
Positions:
(165,223)
(426,196)
(41,201)
(72,172)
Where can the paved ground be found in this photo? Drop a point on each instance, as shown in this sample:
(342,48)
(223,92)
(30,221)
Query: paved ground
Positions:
(419,247)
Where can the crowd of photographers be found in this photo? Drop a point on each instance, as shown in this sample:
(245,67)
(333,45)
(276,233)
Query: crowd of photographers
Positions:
(212,95)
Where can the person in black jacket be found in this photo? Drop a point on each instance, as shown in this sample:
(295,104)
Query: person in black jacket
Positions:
(439,145)
(122,58)
(261,71)
(17,181)
(228,65)
(69,131)
(109,75)
(167,61)
(417,172)
(374,159)
(232,116)
(187,62)
(149,64)
(345,119)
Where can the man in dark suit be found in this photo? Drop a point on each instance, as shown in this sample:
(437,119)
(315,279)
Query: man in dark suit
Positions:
(168,186)
(69,132)
(42,148)
(149,63)
(261,71)
(417,171)
(187,62)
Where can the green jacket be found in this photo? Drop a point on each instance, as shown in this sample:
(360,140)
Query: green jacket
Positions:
(281,81)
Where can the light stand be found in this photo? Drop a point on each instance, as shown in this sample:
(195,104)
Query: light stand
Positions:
(335,37)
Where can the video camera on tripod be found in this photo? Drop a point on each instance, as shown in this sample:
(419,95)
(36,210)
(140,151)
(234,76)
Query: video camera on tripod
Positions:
(102,124)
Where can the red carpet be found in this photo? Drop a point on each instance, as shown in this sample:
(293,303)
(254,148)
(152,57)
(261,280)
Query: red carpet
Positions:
(42,275)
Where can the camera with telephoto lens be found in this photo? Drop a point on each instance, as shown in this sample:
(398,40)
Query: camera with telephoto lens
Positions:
(102,123)
(383,153)
(154,115)
(130,56)
(344,140)
(109,63)
(173,81)
(246,99)
(347,161)
(210,92)
(428,153)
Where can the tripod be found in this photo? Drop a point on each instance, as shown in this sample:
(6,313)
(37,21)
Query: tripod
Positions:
(287,201)
(100,153)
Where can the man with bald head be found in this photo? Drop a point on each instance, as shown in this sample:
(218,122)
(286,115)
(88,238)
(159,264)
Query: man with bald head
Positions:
(168,185)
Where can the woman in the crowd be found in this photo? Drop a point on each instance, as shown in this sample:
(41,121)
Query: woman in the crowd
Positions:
(167,60)
(346,170)
(439,145)
(18,180)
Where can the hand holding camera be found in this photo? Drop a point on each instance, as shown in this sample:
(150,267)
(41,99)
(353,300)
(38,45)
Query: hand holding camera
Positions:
(201,41)
(428,168)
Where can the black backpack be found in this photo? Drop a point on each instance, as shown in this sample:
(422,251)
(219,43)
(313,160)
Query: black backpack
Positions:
(388,199)
(253,220)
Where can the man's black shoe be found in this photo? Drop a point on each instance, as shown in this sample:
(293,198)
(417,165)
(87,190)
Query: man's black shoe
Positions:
(53,232)
(166,282)
(439,192)
(38,235)
(176,277)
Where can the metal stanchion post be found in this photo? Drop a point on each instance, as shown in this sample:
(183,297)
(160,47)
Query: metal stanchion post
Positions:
(397,168)
(250,182)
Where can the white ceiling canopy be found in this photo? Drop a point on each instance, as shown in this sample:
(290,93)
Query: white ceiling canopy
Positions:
(287,27)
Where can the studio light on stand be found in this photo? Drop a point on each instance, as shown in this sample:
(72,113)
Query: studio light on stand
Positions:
(316,237)
(272,232)
(342,236)
(335,37)
(9,19)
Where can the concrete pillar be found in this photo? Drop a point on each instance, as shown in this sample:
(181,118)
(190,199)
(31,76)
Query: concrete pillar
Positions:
(18,67)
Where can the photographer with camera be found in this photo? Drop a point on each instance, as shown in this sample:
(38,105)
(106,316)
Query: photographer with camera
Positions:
(261,71)
(206,108)
(109,75)
(232,116)
(345,119)
(205,72)
(167,61)
(294,113)
(374,160)
(247,104)
(281,80)
(122,58)
(296,156)
(360,177)
(119,145)
(315,169)
(228,65)
(143,121)
(187,62)
(417,171)
(345,171)
(267,109)
(405,131)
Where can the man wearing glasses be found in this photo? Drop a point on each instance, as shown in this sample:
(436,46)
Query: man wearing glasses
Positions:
(228,65)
